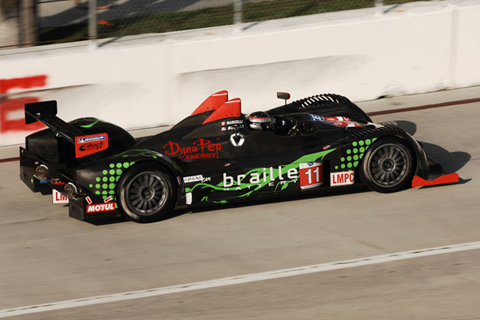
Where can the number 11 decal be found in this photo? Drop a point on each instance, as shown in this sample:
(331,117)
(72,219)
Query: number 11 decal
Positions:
(311,174)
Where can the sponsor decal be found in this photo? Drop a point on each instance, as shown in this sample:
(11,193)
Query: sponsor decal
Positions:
(232,128)
(259,177)
(199,150)
(104,207)
(311,174)
(55,182)
(232,125)
(342,178)
(87,145)
(237,139)
(197,178)
(89,201)
(107,200)
(58,197)
(92,138)
(280,178)
(193,179)
(232,122)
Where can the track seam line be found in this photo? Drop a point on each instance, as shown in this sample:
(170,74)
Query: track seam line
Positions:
(427,106)
(240,279)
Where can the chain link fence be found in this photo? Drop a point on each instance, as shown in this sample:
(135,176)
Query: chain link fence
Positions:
(60,21)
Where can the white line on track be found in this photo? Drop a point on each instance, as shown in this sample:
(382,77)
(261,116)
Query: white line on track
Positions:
(275,274)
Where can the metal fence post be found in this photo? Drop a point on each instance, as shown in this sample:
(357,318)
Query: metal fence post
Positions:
(92,23)
(378,7)
(237,14)
(28,22)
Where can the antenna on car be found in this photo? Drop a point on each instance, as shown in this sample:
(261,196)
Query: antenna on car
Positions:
(284,96)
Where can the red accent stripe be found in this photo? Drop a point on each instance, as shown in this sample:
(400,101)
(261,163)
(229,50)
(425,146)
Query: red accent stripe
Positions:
(213,102)
(260,118)
(445,179)
(230,109)
(9,160)
(428,106)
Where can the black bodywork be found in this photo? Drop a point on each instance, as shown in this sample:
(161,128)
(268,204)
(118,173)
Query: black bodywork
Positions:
(211,156)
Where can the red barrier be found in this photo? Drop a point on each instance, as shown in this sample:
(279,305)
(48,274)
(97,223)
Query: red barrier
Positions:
(9,109)
(14,106)
(23,83)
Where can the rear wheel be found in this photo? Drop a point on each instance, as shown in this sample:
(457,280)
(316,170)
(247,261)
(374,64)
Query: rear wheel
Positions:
(145,193)
(387,166)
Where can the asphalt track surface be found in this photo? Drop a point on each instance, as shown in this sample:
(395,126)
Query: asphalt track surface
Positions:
(47,257)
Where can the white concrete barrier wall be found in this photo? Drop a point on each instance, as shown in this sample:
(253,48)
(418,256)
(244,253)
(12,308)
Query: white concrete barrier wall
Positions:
(466,46)
(145,84)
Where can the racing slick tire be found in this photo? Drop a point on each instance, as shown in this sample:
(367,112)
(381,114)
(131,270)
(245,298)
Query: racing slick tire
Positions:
(145,193)
(387,166)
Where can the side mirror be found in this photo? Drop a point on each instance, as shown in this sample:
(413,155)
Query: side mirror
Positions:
(284,96)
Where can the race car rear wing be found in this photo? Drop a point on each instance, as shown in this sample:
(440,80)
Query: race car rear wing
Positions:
(46,112)
(84,144)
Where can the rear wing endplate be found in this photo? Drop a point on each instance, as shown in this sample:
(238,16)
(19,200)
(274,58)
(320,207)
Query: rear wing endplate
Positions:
(46,112)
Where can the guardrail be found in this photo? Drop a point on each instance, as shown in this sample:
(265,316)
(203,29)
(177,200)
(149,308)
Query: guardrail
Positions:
(25,23)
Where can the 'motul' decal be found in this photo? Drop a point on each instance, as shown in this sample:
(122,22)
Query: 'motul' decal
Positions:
(104,207)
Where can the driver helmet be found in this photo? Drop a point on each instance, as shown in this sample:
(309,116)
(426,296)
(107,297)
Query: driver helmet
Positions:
(260,120)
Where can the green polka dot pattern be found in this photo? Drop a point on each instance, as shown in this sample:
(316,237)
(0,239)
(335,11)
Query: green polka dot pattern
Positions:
(355,154)
(106,184)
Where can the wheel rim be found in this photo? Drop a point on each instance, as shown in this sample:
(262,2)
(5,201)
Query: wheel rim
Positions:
(146,193)
(389,165)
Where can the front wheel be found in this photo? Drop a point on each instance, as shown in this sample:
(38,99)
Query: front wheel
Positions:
(145,193)
(387,166)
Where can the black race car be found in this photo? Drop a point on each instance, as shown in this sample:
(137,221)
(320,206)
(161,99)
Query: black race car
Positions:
(218,155)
